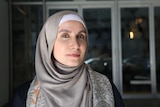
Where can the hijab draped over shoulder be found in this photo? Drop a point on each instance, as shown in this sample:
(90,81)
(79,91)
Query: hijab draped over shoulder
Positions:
(57,85)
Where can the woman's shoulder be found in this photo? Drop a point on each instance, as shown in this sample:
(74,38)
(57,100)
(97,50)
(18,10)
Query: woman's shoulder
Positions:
(102,81)
(97,76)
(20,95)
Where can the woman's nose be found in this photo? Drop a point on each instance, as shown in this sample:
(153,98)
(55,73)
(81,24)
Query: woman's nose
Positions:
(74,43)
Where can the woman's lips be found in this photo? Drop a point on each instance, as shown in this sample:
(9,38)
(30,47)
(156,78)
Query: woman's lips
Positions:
(73,55)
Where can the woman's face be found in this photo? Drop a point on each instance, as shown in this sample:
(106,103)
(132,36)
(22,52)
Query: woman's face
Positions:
(71,43)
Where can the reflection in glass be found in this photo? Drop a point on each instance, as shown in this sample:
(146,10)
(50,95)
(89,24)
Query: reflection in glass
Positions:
(157,42)
(135,50)
(27,22)
(99,26)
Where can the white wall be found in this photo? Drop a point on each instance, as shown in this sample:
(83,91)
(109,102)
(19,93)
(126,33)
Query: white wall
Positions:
(4,53)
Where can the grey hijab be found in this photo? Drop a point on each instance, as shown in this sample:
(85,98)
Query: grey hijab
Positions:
(60,85)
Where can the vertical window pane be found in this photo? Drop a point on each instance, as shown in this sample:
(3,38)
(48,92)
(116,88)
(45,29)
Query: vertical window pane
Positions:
(27,22)
(99,26)
(135,50)
(157,42)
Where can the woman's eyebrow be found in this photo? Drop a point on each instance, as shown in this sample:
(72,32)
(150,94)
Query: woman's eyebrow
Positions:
(64,30)
(82,31)
(68,31)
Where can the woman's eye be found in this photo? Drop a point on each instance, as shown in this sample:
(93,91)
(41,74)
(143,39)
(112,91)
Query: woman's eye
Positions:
(65,36)
(81,36)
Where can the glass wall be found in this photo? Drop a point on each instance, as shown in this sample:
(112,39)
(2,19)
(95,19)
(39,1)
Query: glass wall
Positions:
(27,22)
(100,50)
(133,56)
(135,50)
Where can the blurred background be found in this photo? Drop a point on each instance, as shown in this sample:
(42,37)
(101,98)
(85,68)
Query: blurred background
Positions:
(124,38)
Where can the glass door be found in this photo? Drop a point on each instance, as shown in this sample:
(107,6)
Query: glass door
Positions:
(26,24)
(98,21)
(135,50)
(139,39)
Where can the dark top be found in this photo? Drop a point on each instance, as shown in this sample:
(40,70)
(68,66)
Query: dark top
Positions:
(20,96)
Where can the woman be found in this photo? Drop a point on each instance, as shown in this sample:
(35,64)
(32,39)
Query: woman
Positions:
(62,78)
